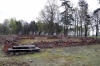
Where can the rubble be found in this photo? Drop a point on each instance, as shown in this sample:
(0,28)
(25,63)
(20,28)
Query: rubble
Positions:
(70,41)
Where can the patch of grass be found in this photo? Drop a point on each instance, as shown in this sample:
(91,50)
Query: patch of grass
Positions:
(59,49)
(38,55)
(49,50)
(26,41)
(73,57)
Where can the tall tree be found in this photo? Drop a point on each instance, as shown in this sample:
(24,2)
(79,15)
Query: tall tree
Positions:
(66,15)
(76,21)
(13,25)
(57,28)
(48,15)
(19,27)
(26,28)
(86,18)
(97,20)
(33,27)
(83,9)
(41,27)
(6,26)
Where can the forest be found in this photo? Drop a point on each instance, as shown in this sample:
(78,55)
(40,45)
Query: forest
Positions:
(71,21)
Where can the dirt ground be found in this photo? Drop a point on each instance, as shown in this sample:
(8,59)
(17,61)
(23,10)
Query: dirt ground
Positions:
(6,37)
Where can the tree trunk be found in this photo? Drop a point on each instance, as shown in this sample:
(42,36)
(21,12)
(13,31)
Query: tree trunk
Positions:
(86,29)
(77,27)
(96,30)
(64,30)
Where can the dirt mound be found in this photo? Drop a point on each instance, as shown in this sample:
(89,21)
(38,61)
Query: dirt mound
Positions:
(74,39)
(7,37)
(81,39)
(70,42)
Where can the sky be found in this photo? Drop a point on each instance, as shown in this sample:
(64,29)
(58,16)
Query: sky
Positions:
(28,10)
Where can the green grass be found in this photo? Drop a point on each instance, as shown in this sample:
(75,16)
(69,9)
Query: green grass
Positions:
(68,56)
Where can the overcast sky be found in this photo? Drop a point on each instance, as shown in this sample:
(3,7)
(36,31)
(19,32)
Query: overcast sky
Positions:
(28,10)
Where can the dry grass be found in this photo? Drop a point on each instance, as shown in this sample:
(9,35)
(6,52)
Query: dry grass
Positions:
(37,39)
(69,56)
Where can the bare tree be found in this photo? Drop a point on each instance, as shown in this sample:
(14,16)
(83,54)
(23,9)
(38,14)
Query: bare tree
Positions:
(49,15)
(76,21)
(83,16)
(97,20)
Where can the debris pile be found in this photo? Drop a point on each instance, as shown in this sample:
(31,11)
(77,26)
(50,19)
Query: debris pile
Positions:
(70,41)
(80,42)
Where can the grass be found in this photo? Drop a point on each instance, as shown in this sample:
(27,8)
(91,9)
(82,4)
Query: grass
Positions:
(67,56)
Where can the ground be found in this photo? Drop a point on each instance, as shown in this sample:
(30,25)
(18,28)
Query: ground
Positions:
(66,56)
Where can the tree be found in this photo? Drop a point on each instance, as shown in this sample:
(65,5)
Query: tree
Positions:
(33,27)
(86,17)
(5,26)
(76,16)
(41,27)
(57,28)
(26,28)
(49,15)
(83,16)
(19,27)
(1,29)
(67,17)
(13,25)
(97,20)
(87,22)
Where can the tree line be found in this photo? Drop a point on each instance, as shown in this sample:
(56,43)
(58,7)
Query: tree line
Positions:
(72,21)
(12,26)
